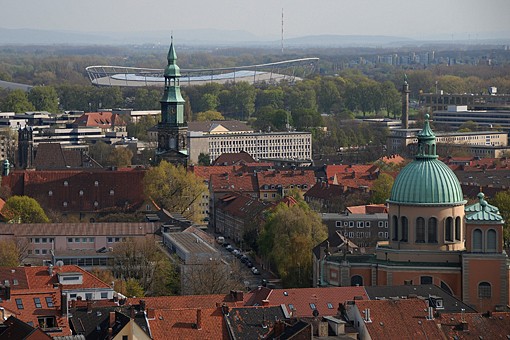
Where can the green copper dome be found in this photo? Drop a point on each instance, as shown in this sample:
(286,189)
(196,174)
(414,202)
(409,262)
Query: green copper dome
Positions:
(426,180)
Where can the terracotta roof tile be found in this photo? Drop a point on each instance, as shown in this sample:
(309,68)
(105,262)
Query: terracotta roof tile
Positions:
(228,182)
(205,172)
(299,300)
(183,324)
(479,326)
(368,209)
(105,119)
(286,178)
(234,158)
(399,319)
(186,301)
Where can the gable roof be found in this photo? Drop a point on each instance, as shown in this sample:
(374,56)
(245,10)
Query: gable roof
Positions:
(241,205)
(368,209)
(186,301)
(228,182)
(205,172)
(219,126)
(104,119)
(399,319)
(199,323)
(302,301)
(14,328)
(477,326)
(234,158)
(286,178)
(53,156)
(249,323)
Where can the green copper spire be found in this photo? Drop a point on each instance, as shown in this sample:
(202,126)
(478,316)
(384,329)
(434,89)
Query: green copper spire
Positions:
(172,70)
(426,141)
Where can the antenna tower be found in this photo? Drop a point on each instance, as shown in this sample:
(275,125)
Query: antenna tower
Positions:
(282,30)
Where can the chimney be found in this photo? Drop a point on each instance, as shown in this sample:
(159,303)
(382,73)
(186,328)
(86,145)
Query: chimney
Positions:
(265,302)
(430,315)
(112,319)
(367,316)
(7,292)
(110,333)
(142,305)
(50,269)
(278,328)
(151,313)
(199,319)
(89,306)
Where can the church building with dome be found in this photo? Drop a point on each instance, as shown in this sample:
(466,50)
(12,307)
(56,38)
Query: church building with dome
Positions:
(435,238)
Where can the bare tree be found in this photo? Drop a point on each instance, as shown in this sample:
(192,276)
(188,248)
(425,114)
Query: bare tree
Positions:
(213,277)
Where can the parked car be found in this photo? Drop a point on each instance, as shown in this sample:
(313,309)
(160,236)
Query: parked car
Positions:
(236,252)
(229,248)
(249,264)
(255,271)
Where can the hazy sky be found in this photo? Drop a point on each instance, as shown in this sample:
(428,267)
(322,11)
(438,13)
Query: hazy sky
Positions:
(407,18)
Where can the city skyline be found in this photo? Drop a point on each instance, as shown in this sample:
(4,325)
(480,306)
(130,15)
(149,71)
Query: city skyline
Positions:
(440,20)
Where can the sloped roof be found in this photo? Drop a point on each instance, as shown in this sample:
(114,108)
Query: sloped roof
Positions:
(227,182)
(483,212)
(399,319)
(80,189)
(286,178)
(183,324)
(234,158)
(241,205)
(14,328)
(479,326)
(368,209)
(300,301)
(53,156)
(205,172)
(325,191)
(105,119)
(223,125)
(249,323)
(186,301)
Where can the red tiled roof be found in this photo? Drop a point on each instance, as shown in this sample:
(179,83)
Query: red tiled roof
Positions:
(228,182)
(234,158)
(182,324)
(286,178)
(80,189)
(186,301)
(241,205)
(392,159)
(103,120)
(487,326)
(399,319)
(205,172)
(38,277)
(301,298)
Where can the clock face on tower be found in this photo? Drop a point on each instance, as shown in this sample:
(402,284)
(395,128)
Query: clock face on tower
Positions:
(172,110)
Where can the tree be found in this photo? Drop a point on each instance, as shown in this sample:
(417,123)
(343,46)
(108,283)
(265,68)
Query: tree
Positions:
(287,240)
(24,209)
(502,201)
(133,288)
(17,101)
(173,188)
(213,277)
(44,98)
(11,253)
(381,188)
(209,115)
(204,159)
(100,151)
(120,157)
(143,261)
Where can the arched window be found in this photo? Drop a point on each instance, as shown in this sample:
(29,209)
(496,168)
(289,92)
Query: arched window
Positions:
(395,228)
(357,280)
(405,229)
(448,229)
(446,288)
(458,227)
(420,230)
(432,230)
(491,241)
(477,240)
(484,290)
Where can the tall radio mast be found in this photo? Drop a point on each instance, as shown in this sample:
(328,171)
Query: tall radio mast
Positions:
(282,30)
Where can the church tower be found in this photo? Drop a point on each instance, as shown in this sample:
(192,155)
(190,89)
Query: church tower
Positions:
(172,128)
(25,148)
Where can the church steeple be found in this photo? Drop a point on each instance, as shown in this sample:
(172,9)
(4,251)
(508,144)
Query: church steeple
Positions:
(172,129)
(426,141)
(172,103)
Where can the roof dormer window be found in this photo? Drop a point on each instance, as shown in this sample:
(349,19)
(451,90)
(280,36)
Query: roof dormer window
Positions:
(81,192)
(112,192)
(96,183)
(66,183)
(50,193)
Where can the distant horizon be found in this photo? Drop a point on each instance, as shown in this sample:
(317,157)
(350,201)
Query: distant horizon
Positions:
(436,19)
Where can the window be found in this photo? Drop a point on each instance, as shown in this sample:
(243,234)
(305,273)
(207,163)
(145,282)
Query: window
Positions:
(81,192)
(112,192)
(44,240)
(64,204)
(37,240)
(367,224)
(291,306)
(50,193)
(96,203)
(88,296)
(338,224)
(72,296)
(491,240)
(104,295)
(356,280)
(96,183)
(330,305)
(70,240)
(92,239)
(47,321)
(360,224)
(405,229)
(426,280)
(448,230)
(312,306)
(484,290)
(37,302)
(420,230)
(458,227)
(477,240)
(395,228)
(432,231)
(380,224)
(19,303)
(110,239)
(66,183)
(351,224)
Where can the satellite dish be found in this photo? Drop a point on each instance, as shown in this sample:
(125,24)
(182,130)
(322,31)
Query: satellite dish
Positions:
(315,313)
(60,263)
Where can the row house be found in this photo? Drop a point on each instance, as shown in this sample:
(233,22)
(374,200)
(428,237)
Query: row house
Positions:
(84,244)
